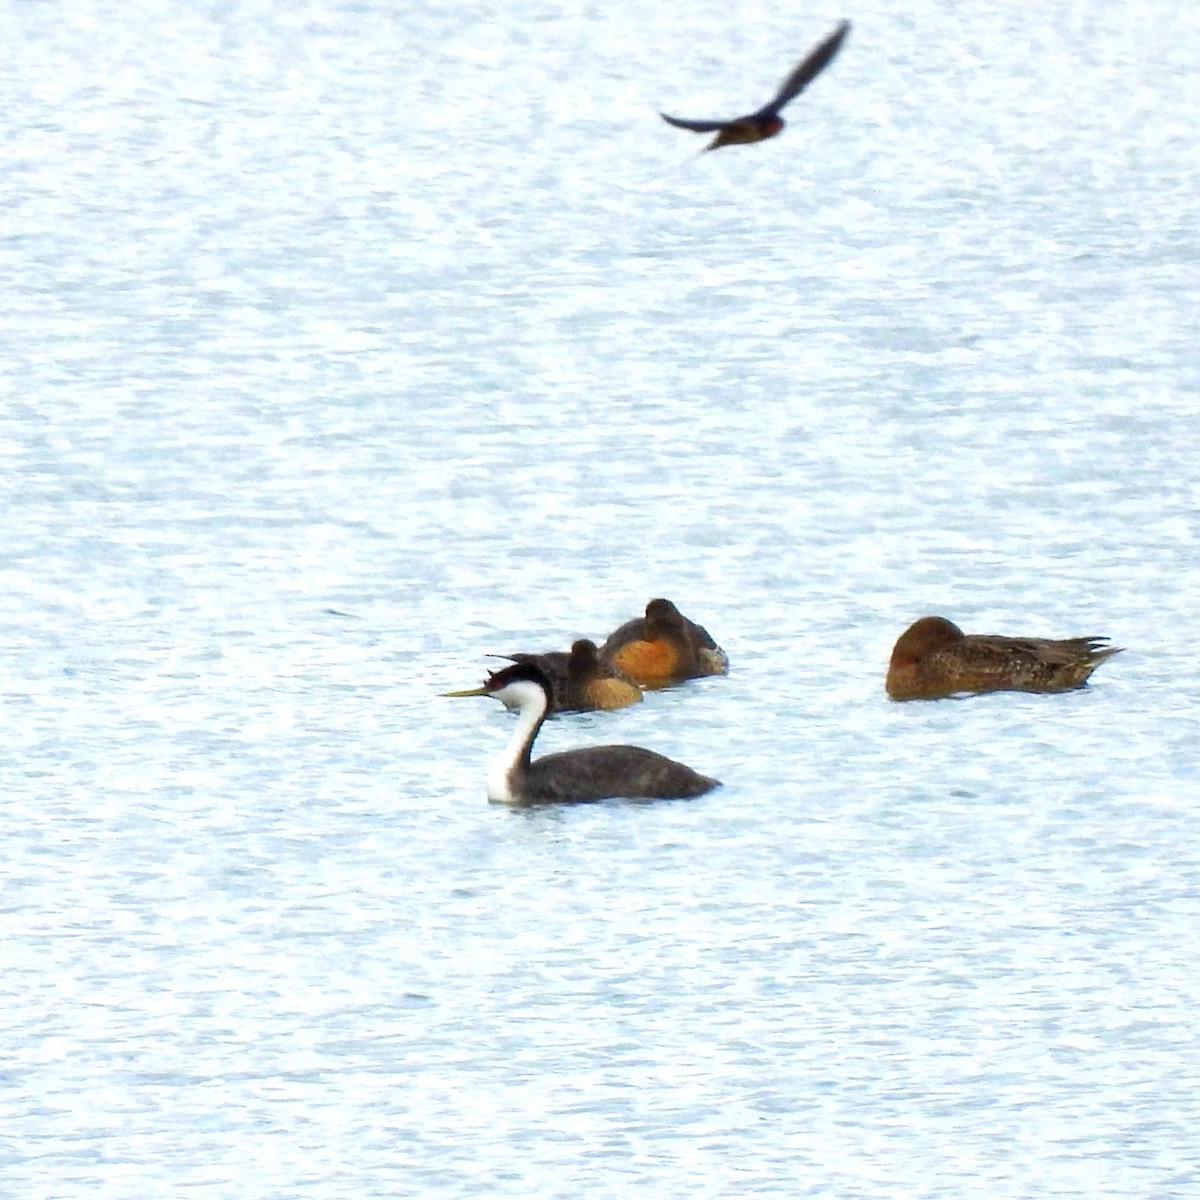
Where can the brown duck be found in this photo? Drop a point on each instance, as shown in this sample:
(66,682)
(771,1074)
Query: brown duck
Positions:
(663,647)
(767,122)
(934,658)
(579,681)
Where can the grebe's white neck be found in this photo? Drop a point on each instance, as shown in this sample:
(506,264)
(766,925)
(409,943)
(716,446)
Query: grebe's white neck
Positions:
(530,701)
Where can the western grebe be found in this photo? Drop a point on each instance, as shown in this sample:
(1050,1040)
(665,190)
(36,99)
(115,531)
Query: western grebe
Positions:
(933,658)
(767,122)
(663,647)
(593,773)
(579,681)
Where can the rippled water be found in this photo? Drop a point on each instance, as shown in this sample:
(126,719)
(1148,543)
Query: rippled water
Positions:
(345,345)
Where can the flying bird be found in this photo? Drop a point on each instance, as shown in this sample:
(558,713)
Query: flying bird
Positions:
(767,122)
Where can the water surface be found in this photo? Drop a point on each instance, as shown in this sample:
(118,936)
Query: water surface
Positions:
(346,345)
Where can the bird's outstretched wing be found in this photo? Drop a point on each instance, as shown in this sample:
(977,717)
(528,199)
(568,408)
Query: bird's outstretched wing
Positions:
(694,126)
(818,59)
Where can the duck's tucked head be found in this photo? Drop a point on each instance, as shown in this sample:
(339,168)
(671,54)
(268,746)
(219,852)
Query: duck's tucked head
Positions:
(924,637)
(662,617)
(585,658)
(520,686)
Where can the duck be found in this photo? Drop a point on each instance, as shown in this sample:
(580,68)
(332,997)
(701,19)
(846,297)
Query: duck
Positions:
(580,681)
(663,647)
(572,776)
(933,659)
